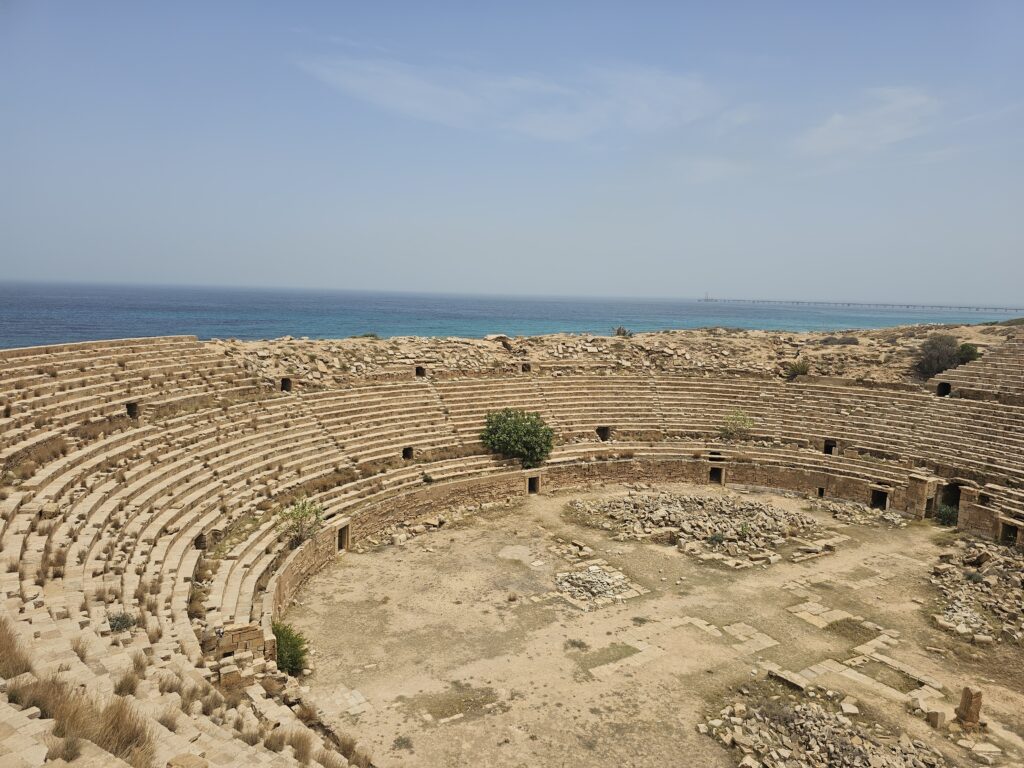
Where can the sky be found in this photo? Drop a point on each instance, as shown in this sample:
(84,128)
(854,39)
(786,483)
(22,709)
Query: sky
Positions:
(787,150)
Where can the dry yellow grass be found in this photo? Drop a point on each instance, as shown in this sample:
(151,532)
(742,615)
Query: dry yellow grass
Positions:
(13,658)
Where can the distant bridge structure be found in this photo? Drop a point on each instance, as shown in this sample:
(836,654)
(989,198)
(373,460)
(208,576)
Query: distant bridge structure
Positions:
(864,305)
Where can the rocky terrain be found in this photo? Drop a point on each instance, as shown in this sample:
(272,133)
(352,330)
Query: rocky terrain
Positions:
(817,728)
(853,513)
(884,355)
(737,532)
(982,587)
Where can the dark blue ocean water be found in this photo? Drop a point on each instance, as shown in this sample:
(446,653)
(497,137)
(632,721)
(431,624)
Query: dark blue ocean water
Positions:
(33,314)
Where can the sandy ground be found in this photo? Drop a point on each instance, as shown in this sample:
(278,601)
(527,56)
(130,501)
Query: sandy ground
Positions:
(451,651)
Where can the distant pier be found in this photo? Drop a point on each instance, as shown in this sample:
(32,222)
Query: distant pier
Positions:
(865,305)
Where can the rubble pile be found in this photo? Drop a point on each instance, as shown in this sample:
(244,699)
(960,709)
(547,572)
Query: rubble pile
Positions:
(854,513)
(740,532)
(793,732)
(590,584)
(983,592)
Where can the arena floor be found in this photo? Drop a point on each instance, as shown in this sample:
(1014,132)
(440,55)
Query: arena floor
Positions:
(453,650)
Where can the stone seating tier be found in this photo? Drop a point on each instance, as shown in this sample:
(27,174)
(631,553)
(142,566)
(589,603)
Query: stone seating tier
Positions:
(129,519)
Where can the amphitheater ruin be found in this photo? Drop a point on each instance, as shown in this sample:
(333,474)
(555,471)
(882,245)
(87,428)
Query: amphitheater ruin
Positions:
(660,591)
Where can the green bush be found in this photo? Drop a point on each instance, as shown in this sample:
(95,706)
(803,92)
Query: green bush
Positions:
(292,648)
(120,622)
(967,353)
(623,331)
(940,352)
(797,368)
(947,515)
(519,435)
(301,520)
(737,426)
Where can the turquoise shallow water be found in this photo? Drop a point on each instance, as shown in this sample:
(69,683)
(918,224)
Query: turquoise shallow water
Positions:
(33,314)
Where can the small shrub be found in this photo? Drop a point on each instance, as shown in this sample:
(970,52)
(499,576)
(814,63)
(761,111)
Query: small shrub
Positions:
(737,426)
(519,435)
(716,538)
(940,352)
(121,622)
(797,368)
(292,648)
(974,577)
(967,353)
(622,332)
(947,515)
(301,520)
(402,742)
(841,340)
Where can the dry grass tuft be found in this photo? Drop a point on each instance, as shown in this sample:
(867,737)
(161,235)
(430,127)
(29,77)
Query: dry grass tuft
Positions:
(80,645)
(275,740)
(140,663)
(302,745)
(331,759)
(13,658)
(68,749)
(127,684)
(116,727)
(169,720)
(272,686)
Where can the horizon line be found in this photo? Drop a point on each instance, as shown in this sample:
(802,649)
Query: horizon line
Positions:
(896,304)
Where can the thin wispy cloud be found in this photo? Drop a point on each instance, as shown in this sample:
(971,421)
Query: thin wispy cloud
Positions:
(633,100)
(886,117)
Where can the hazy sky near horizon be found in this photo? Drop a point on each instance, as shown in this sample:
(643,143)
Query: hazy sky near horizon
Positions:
(868,150)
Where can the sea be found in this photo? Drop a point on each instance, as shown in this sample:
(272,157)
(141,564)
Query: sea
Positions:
(51,313)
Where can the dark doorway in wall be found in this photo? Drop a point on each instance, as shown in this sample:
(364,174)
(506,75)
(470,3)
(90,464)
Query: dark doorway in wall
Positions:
(715,475)
(929,507)
(132,409)
(286,384)
(879,499)
(420,371)
(943,389)
(533,484)
(407,452)
(604,434)
(951,496)
(821,493)
(1008,534)
(525,368)
(830,447)
(343,538)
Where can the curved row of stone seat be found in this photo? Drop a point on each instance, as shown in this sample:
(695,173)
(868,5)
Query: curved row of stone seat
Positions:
(135,503)
(997,375)
(54,398)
